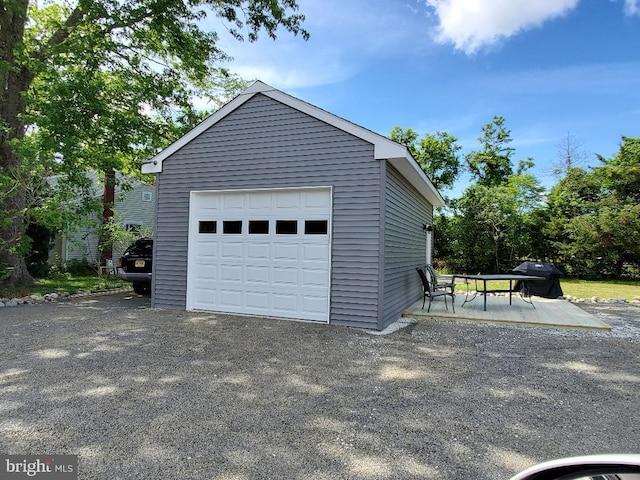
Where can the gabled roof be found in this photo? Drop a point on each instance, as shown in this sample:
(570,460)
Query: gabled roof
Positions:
(384,149)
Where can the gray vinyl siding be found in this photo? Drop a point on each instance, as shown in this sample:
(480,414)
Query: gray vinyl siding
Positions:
(404,244)
(265,144)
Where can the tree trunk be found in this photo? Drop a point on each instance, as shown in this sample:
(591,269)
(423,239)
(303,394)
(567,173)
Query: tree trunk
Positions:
(14,81)
(108,202)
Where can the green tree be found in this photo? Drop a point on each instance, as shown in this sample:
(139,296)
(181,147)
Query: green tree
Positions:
(436,154)
(492,166)
(497,225)
(621,174)
(498,220)
(594,216)
(99,84)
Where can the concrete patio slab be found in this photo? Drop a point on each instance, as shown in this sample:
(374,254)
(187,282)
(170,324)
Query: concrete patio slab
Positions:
(555,313)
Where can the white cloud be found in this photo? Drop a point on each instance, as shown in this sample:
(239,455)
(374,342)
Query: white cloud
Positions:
(473,24)
(632,7)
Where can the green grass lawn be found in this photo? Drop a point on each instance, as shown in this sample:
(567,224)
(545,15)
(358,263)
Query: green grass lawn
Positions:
(608,289)
(65,282)
(585,288)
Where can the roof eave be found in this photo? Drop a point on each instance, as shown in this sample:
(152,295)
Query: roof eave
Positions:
(384,148)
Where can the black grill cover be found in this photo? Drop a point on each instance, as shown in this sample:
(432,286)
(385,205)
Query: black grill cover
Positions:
(547,288)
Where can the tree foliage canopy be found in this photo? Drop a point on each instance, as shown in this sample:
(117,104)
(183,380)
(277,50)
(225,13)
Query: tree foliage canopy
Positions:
(102,84)
(594,216)
(437,154)
(492,165)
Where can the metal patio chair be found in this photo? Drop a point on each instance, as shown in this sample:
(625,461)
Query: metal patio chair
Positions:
(434,279)
(430,292)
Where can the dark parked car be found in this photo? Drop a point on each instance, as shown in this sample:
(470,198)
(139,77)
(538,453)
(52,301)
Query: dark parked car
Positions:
(135,265)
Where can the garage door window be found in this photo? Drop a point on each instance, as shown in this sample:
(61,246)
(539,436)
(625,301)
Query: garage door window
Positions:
(232,227)
(207,226)
(286,227)
(315,227)
(258,227)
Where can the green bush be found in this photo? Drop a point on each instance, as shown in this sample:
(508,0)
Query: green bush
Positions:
(75,268)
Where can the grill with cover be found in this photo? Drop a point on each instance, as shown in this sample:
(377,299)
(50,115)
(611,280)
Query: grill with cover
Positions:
(547,288)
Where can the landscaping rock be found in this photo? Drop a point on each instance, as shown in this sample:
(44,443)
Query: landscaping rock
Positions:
(12,303)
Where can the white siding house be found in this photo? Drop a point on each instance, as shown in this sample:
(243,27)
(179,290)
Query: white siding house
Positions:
(134,209)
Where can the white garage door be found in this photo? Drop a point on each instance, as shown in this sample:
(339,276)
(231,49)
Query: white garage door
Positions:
(261,252)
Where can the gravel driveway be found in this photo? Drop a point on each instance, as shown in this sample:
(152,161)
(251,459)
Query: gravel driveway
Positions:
(140,393)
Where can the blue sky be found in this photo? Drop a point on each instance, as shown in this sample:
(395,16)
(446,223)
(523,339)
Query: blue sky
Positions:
(550,67)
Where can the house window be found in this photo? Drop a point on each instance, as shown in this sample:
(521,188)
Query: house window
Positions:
(146,196)
(232,227)
(258,227)
(207,226)
(286,227)
(315,227)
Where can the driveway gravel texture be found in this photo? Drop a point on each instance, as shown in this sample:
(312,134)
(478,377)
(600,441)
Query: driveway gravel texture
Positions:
(141,393)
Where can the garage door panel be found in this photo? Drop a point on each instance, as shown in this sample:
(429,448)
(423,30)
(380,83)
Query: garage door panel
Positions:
(231,273)
(258,251)
(205,273)
(315,199)
(314,304)
(207,250)
(285,302)
(287,200)
(316,253)
(258,270)
(258,275)
(257,300)
(314,278)
(259,201)
(285,252)
(231,298)
(283,276)
(212,204)
(233,201)
(231,250)
(207,295)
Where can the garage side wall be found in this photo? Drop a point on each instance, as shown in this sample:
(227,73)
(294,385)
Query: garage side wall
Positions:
(404,244)
(265,144)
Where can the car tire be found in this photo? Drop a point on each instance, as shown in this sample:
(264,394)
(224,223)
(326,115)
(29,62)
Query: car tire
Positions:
(141,287)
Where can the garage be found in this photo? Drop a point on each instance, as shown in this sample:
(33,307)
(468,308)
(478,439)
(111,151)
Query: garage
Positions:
(261,252)
(274,207)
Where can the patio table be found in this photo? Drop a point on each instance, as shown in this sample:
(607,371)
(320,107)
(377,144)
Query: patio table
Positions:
(484,278)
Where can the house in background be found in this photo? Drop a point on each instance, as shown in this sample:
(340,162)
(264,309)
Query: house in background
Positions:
(133,209)
(275,207)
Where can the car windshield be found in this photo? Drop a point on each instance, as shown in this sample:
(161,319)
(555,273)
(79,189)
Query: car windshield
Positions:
(142,247)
